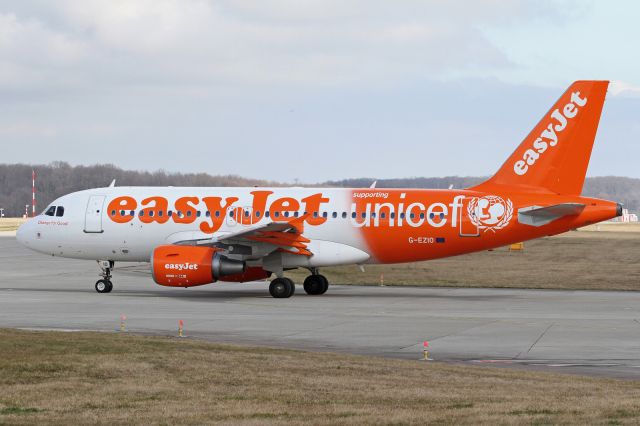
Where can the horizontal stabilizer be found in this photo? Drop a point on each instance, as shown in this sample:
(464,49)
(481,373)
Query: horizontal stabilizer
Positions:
(539,216)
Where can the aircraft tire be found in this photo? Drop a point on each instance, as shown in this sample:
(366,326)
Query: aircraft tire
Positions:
(315,285)
(281,288)
(104,286)
(325,284)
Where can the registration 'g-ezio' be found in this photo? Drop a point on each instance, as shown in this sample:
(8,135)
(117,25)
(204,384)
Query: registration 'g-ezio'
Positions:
(195,236)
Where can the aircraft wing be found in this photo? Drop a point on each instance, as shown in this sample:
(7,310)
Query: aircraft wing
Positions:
(259,240)
(286,236)
(539,216)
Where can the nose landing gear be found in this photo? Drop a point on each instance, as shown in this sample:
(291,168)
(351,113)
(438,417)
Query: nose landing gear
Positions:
(104,285)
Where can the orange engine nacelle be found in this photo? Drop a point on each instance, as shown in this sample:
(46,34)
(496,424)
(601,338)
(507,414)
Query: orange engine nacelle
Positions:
(188,266)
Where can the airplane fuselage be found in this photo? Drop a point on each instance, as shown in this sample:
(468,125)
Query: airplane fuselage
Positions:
(344,226)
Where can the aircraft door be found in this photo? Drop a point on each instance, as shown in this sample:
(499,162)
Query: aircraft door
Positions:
(469,219)
(93,215)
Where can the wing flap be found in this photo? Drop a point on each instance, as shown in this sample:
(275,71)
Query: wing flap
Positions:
(283,236)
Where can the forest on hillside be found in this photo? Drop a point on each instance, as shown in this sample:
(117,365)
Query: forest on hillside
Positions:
(59,178)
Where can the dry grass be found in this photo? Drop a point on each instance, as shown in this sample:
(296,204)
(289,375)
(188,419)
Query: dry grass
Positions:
(79,378)
(575,260)
(613,227)
(10,223)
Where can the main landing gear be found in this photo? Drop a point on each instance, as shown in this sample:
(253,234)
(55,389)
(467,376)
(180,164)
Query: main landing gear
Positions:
(281,288)
(315,284)
(104,285)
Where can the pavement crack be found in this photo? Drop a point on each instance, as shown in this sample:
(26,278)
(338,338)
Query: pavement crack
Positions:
(464,330)
(540,337)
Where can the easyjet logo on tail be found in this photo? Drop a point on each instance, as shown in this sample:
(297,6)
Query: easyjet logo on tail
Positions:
(549,136)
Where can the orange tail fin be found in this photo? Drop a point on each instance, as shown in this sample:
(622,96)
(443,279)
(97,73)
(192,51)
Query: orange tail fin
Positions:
(555,155)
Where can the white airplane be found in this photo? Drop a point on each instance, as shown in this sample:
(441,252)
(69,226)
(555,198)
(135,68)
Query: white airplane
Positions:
(196,236)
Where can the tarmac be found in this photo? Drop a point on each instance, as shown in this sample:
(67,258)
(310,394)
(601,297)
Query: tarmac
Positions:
(585,332)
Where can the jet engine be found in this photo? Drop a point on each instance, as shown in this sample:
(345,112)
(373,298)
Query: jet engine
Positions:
(188,266)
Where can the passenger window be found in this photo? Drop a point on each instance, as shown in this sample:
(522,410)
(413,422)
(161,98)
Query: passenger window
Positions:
(207,213)
(121,212)
(217,213)
(353,215)
(170,213)
(324,214)
(132,213)
(344,215)
(421,215)
(60,211)
(188,213)
(198,213)
(266,214)
(276,214)
(334,215)
(383,215)
(113,213)
(160,213)
(286,214)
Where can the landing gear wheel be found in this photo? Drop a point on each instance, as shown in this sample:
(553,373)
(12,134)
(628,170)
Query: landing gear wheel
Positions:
(104,286)
(316,284)
(281,288)
(313,285)
(325,284)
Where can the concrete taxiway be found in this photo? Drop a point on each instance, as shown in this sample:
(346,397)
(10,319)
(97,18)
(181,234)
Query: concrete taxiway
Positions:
(584,332)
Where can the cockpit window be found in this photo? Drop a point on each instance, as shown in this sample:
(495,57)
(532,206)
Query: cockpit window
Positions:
(60,211)
(51,211)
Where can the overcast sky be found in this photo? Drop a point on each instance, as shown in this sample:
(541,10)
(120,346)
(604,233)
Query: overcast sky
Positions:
(308,90)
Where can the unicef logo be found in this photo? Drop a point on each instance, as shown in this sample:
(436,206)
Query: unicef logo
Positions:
(490,212)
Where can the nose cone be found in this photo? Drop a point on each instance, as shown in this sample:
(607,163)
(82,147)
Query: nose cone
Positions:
(24,232)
